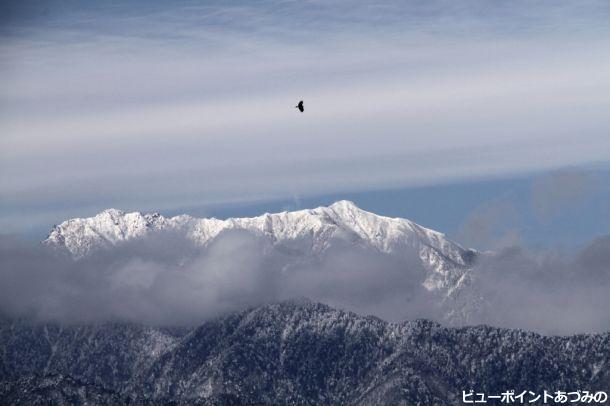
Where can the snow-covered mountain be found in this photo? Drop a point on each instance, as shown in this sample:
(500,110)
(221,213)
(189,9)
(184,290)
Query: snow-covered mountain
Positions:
(307,233)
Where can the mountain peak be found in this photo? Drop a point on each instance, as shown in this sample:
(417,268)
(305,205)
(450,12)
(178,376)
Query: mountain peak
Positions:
(298,237)
(344,205)
(112,213)
(308,233)
(318,226)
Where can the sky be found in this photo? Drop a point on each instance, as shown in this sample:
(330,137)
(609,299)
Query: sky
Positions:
(563,209)
(189,107)
(486,120)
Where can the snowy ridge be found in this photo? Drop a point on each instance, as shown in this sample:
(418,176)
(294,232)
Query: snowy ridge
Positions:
(308,233)
(110,227)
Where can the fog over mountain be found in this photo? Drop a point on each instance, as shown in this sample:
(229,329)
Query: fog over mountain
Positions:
(146,268)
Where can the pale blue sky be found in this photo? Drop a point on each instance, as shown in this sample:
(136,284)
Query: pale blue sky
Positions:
(189,105)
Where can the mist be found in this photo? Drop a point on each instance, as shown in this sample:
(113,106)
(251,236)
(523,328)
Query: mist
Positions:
(546,291)
(165,279)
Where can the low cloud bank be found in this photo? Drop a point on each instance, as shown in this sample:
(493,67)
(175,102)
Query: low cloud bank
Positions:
(167,280)
(546,291)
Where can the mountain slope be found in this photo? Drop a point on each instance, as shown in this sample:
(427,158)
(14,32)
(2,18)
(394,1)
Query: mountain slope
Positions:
(301,353)
(56,390)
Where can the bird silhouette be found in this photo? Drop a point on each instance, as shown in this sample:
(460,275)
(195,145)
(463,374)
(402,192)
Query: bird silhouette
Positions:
(300,106)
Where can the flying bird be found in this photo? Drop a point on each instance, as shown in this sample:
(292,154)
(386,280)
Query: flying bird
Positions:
(300,106)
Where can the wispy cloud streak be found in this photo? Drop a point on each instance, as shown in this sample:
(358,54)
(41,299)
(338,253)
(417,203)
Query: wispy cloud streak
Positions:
(142,100)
